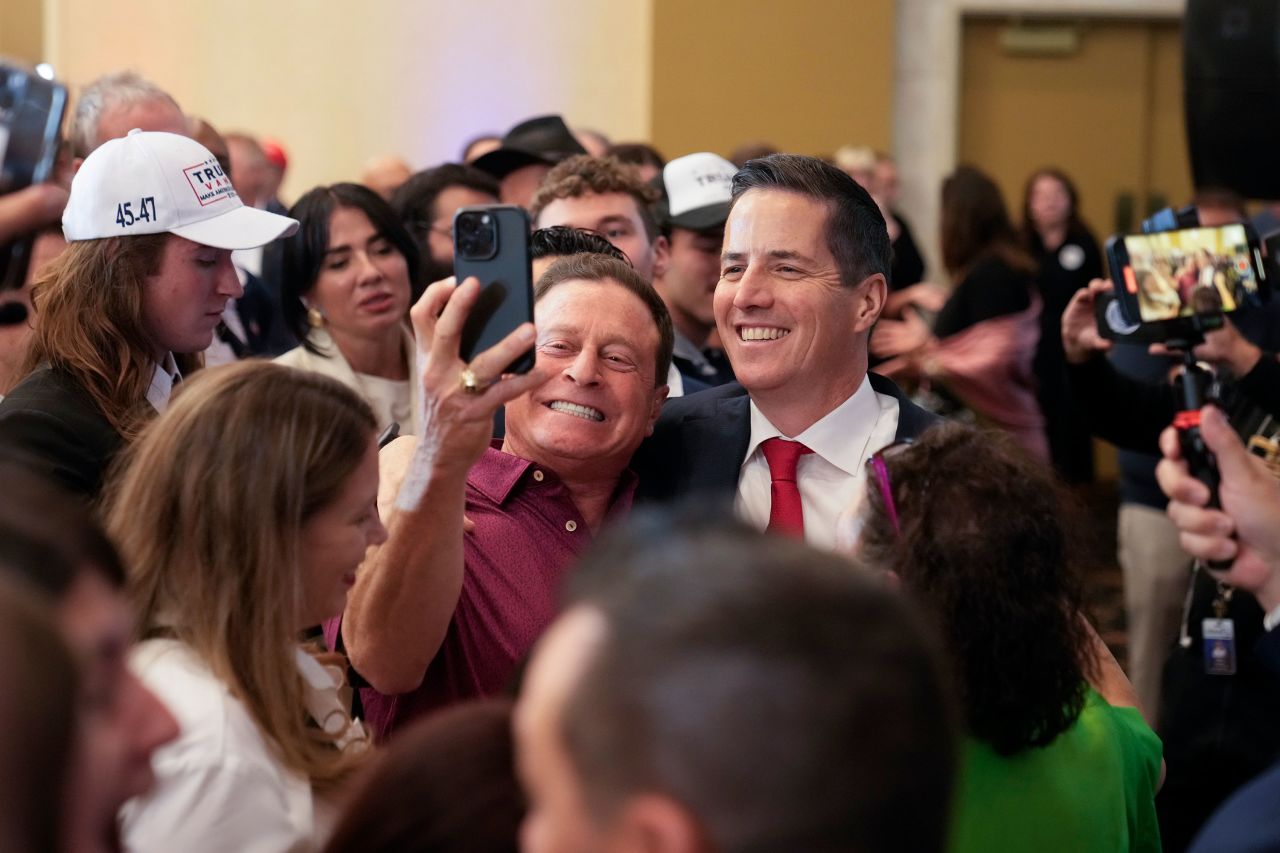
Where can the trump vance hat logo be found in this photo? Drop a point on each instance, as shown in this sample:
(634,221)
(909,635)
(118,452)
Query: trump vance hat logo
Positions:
(209,182)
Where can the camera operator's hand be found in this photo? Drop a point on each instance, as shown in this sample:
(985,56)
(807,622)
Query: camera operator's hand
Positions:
(1223,348)
(1080,338)
(1246,529)
(30,209)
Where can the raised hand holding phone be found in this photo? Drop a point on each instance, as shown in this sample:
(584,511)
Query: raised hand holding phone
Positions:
(460,397)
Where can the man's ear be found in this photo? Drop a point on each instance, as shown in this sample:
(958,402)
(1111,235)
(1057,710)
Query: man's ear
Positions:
(661,256)
(659,397)
(654,823)
(872,292)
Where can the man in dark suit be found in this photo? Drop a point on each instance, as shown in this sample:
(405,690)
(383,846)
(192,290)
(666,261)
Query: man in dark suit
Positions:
(803,280)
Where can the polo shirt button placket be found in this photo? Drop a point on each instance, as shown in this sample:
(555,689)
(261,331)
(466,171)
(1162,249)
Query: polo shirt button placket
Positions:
(571,525)
(539,476)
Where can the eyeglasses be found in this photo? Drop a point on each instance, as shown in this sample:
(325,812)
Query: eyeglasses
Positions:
(423,226)
(881,473)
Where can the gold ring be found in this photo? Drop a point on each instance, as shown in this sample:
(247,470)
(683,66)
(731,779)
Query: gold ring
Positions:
(471,383)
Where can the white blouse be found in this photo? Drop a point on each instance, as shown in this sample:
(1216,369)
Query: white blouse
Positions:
(219,786)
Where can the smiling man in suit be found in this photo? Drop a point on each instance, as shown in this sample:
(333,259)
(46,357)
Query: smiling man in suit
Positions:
(803,269)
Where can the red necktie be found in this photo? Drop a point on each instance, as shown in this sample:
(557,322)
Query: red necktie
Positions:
(786,515)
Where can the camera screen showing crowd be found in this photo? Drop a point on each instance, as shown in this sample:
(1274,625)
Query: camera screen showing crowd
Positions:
(1191,271)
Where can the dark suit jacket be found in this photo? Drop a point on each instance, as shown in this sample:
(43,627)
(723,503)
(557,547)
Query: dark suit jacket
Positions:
(51,424)
(700,442)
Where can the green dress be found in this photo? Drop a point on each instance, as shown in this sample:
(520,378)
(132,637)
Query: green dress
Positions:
(1092,789)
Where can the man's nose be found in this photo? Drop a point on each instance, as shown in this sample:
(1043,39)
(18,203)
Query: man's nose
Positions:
(755,290)
(585,367)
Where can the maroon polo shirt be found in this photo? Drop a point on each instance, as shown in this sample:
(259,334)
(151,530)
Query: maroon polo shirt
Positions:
(528,532)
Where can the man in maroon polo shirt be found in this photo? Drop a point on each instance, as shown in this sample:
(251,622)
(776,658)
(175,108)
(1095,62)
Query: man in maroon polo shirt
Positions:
(438,615)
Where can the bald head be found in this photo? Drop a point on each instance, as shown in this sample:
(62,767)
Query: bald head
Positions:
(385,174)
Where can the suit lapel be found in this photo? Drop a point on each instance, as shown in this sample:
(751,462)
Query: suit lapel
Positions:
(717,454)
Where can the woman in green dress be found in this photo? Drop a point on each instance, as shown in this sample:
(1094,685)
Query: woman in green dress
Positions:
(1057,756)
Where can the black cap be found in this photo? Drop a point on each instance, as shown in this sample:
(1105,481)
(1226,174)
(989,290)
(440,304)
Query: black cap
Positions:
(545,139)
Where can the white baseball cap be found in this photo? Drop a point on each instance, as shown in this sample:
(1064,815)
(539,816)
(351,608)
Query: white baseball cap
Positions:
(151,182)
(697,188)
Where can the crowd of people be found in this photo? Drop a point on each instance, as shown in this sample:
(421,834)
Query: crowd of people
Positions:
(769,550)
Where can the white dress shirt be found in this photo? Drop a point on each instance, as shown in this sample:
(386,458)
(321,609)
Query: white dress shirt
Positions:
(166,375)
(675,382)
(832,476)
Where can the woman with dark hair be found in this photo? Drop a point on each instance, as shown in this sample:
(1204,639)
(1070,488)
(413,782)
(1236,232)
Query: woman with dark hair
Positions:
(1068,258)
(350,274)
(445,785)
(1057,756)
(978,353)
(1055,235)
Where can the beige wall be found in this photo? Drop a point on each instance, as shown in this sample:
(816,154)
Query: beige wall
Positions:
(1109,115)
(21,27)
(927,82)
(805,75)
(340,82)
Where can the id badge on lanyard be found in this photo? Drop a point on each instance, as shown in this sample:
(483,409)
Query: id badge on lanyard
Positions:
(1218,636)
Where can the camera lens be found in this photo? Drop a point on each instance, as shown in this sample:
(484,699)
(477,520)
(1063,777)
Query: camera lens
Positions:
(477,235)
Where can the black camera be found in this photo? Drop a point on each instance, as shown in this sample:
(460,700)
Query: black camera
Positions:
(1175,285)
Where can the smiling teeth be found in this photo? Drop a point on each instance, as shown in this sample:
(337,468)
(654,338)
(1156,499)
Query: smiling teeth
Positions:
(579,411)
(762,333)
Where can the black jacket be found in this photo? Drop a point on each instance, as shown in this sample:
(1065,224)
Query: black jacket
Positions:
(50,423)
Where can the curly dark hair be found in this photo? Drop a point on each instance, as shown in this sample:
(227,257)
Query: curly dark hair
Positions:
(983,548)
(584,175)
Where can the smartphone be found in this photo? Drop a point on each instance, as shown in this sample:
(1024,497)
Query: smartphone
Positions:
(31,110)
(491,242)
(1173,277)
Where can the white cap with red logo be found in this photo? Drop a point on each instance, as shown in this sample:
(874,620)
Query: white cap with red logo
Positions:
(150,182)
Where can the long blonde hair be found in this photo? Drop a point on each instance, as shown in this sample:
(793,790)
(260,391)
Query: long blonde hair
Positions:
(208,512)
(88,305)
